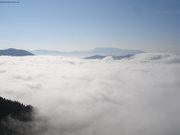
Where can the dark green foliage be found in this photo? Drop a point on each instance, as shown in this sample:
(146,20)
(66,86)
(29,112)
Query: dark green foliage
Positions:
(13,117)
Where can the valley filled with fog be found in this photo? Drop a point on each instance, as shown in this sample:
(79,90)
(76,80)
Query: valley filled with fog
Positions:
(133,96)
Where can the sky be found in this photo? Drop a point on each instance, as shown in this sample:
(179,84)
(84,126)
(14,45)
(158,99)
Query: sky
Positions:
(67,25)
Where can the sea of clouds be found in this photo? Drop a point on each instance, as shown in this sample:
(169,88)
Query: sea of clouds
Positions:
(71,96)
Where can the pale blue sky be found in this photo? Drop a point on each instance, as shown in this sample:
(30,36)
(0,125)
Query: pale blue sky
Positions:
(149,25)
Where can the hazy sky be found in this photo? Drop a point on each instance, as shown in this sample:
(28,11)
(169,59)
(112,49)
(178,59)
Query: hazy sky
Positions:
(150,25)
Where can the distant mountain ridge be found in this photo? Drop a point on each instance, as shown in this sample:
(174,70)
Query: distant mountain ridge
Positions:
(95,51)
(15,52)
(114,57)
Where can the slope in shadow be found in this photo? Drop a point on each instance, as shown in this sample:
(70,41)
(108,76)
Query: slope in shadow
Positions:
(13,115)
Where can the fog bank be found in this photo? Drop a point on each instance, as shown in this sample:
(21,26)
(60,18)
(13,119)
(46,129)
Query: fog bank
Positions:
(135,96)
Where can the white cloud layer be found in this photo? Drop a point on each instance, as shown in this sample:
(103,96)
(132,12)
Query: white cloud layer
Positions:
(137,96)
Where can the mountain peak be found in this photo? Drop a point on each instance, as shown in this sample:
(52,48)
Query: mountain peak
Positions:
(15,52)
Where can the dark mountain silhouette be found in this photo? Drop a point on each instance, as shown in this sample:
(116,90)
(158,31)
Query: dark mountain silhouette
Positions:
(15,52)
(95,57)
(13,111)
(96,51)
(114,57)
